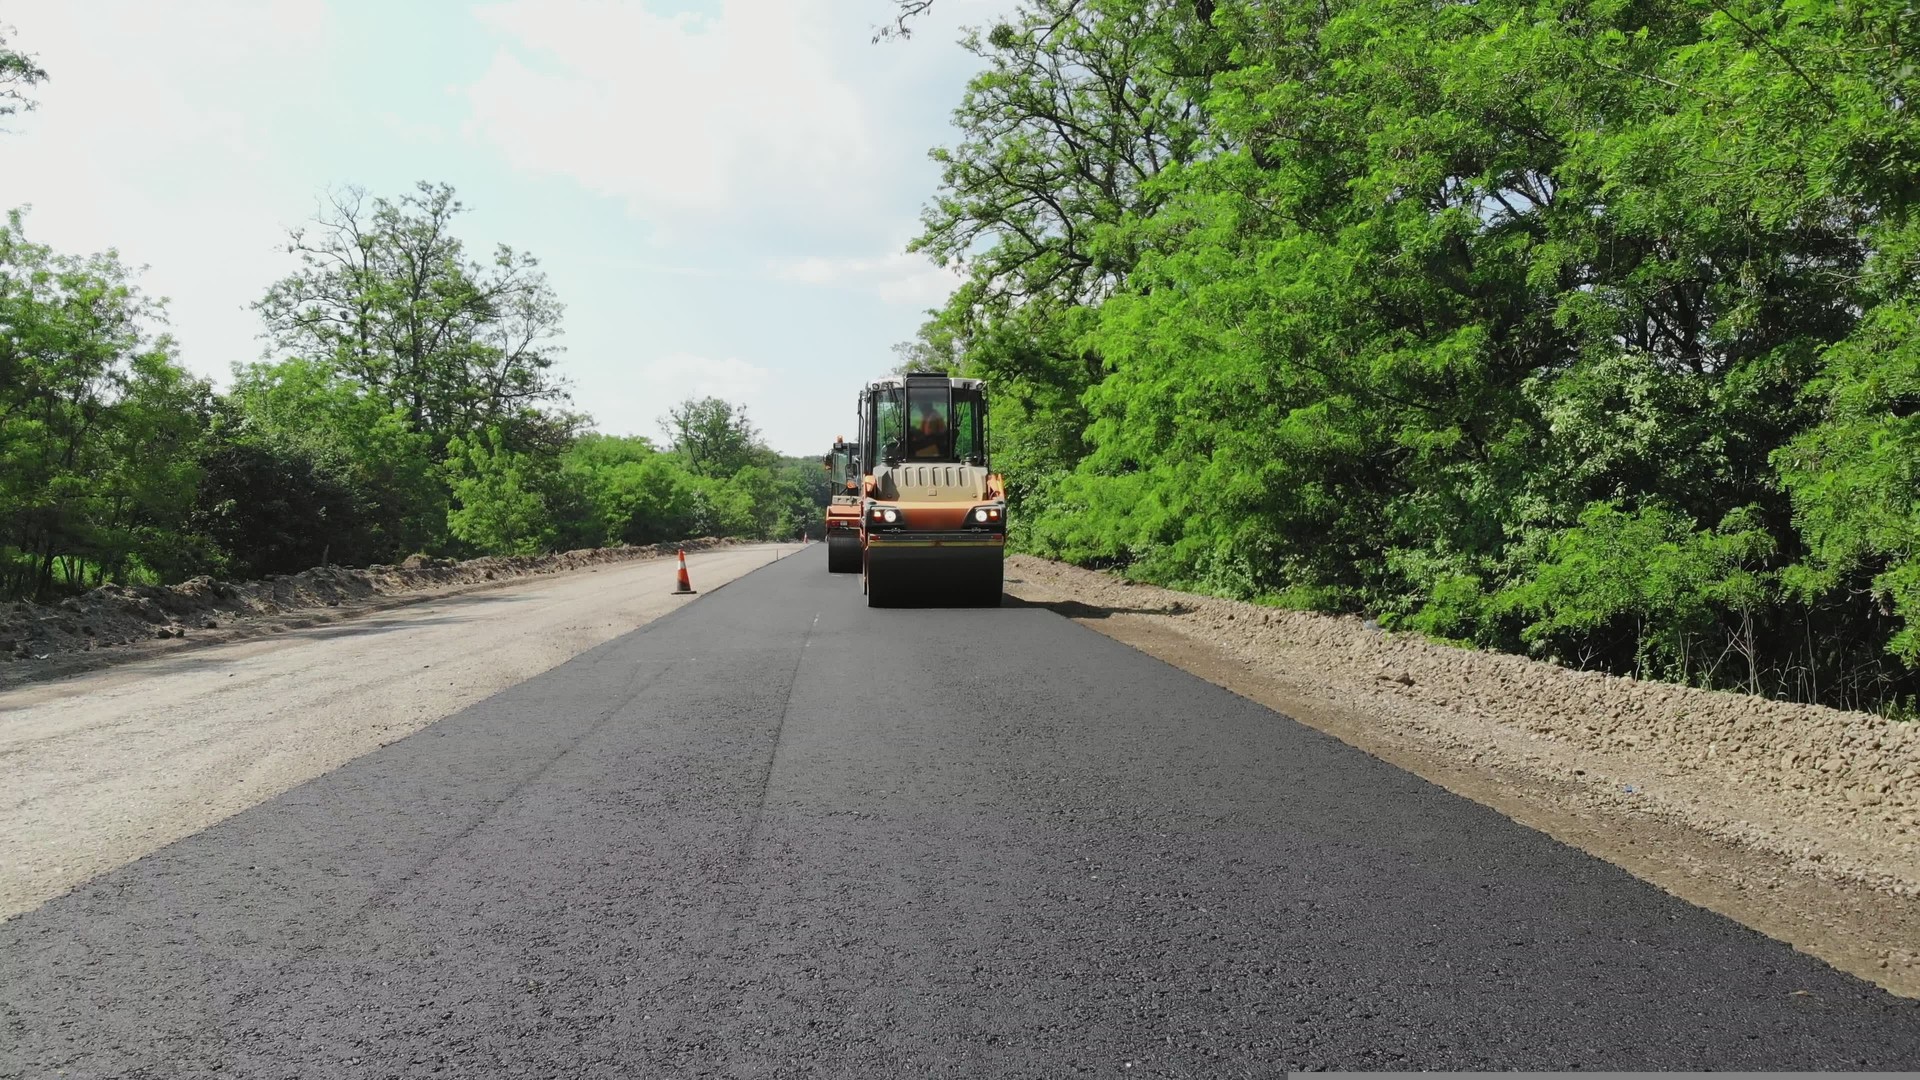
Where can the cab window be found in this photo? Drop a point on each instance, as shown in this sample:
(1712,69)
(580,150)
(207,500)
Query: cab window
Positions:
(887,428)
(966,429)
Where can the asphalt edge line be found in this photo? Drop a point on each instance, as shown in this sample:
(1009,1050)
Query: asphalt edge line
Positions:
(640,628)
(1509,798)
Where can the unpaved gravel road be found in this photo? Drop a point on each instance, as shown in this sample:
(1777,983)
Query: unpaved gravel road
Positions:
(98,770)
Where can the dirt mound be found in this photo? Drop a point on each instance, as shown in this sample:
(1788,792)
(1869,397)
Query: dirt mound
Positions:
(120,615)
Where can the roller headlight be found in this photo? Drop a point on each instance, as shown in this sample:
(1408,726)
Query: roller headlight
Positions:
(986,515)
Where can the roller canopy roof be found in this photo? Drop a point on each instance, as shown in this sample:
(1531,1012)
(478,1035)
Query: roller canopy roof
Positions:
(929,377)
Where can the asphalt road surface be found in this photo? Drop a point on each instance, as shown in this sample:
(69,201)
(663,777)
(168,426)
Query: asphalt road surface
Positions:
(777,834)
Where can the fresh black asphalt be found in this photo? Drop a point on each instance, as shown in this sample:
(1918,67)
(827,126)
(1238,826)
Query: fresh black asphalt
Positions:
(777,834)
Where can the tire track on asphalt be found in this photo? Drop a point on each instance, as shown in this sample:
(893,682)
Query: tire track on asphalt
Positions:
(773,753)
(637,684)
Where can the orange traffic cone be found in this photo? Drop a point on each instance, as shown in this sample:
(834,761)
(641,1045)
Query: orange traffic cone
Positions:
(684,586)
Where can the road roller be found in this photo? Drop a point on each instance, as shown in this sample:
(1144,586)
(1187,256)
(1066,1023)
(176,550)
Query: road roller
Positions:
(933,514)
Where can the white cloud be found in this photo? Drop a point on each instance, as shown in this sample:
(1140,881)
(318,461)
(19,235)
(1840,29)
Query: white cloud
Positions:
(106,102)
(688,375)
(812,270)
(633,400)
(679,114)
(904,279)
(412,130)
(148,140)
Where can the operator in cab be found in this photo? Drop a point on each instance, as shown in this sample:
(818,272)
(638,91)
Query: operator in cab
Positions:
(930,434)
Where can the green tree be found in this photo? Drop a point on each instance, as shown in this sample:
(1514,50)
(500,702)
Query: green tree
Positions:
(1063,136)
(1048,200)
(304,411)
(900,24)
(1648,585)
(268,509)
(803,492)
(99,428)
(637,494)
(498,508)
(387,298)
(1463,315)
(19,74)
(713,436)
(1855,477)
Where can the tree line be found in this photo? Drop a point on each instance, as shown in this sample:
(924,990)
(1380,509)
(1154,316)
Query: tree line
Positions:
(1580,329)
(416,407)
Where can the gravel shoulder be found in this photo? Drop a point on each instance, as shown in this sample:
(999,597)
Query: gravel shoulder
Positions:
(100,769)
(118,624)
(1798,821)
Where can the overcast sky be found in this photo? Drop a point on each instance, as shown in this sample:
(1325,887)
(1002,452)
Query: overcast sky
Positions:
(719,191)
